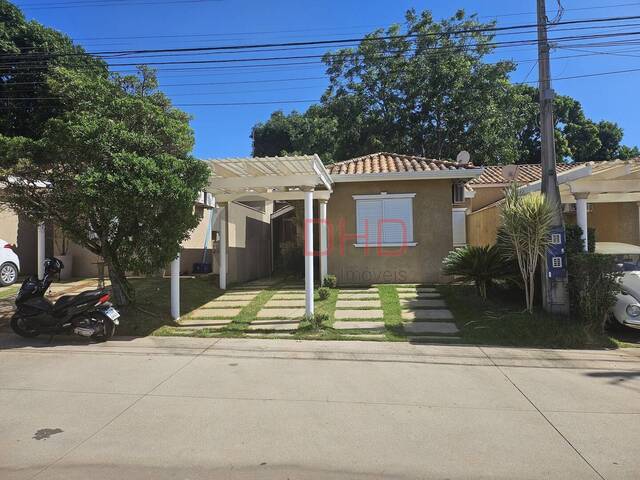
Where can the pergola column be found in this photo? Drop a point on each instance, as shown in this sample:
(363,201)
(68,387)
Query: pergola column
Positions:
(41,250)
(175,288)
(323,240)
(223,246)
(308,250)
(581,217)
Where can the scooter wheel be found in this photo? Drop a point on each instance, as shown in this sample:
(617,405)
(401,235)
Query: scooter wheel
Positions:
(18,326)
(109,329)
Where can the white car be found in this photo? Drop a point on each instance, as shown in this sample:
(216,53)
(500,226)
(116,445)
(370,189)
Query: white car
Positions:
(9,264)
(626,311)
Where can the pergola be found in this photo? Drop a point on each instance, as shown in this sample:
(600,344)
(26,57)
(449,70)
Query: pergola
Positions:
(596,182)
(267,178)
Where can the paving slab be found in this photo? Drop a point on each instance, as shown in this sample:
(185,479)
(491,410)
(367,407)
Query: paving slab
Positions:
(430,327)
(215,313)
(243,293)
(269,313)
(369,326)
(284,303)
(420,303)
(420,295)
(358,290)
(417,289)
(274,324)
(288,296)
(358,296)
(195,324)
(427,315)
(358,314)
(226,303)
(358,304)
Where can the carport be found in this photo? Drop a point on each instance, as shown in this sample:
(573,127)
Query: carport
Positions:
(267,179)
(616,181)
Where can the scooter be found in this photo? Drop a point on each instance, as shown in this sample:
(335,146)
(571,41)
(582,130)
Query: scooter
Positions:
(88,314)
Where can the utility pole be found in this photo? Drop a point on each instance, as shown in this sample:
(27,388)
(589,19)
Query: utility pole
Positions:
(554,274)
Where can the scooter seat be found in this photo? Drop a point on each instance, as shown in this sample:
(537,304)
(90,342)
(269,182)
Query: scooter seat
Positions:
(68,300)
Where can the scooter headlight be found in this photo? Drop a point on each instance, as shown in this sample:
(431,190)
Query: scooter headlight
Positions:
(633,310)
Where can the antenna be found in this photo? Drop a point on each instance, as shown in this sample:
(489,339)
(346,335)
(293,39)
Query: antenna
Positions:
(463,157)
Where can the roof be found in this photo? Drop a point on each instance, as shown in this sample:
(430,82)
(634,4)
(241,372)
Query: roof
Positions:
(493,174)
(383,162)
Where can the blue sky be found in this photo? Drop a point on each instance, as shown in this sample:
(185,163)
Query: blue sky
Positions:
(224,130)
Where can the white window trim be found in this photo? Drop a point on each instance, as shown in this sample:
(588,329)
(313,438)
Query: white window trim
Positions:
(382,196)
(385,245)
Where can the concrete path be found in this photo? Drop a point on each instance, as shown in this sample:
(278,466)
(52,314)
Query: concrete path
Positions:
(191,408)
(425,313)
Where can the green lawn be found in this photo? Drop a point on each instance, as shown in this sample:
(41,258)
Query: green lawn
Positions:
(8,292)
(501,321)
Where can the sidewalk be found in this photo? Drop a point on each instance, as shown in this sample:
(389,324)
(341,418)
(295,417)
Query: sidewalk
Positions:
(246,408)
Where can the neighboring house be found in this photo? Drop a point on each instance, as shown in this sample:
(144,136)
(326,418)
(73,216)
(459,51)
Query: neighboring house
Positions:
(395,217)
(601,195)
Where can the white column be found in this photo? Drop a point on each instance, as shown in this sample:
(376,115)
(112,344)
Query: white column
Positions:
(223,246)
(175,288)
(41,248)
(323,240)
(308,251)
(638,204)
(581,217)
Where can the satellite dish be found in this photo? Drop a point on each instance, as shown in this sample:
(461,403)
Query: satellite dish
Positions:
(509,172)
(463,157)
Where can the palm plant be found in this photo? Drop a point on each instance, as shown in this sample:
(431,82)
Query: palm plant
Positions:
(480,265)
(525,234)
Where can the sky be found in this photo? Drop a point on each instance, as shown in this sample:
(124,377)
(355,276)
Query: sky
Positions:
(224,130)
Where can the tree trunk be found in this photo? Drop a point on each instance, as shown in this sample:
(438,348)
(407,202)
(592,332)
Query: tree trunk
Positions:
(122,291)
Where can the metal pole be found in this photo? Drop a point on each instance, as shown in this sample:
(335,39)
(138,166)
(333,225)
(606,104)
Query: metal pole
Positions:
(41,250)
(554,290)
(175,288)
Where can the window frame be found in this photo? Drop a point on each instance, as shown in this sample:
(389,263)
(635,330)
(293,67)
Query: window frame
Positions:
(381,197)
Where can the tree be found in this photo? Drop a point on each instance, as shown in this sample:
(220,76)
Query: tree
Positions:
(396,91)
(30,52)
(524,234)
(425,89)
(113,171)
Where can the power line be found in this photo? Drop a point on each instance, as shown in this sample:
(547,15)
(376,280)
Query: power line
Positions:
(107,3)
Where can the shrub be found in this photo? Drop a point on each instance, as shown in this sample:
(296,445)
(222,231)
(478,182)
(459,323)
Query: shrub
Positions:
(480,265)
(330,281)
(316,320)
(323,293)
(593,285)
(526,225)
(574,239)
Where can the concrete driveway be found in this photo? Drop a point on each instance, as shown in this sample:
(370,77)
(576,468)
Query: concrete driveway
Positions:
(188,408)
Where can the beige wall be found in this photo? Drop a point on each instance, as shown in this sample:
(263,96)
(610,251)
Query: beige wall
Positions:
(8,226)
(485,196)
(482,226)
(614,222)
(431,226)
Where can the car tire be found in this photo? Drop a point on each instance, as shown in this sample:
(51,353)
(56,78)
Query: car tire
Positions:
(8,274)
(612,324)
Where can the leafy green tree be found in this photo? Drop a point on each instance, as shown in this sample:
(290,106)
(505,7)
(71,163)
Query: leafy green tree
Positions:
(433,94)
(113,171)
(29,52)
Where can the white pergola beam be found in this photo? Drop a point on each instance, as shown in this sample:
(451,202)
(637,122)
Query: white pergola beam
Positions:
(277,195)
(605,186)
(604,197)
(265,181)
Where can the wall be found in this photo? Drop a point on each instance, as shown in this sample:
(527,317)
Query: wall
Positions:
(432,232)
(8,226)
(485,196)
(482,226)
(19,231)
(249,240)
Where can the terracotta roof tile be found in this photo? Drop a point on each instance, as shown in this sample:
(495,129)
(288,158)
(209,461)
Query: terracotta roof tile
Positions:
(392,162)
(493,174)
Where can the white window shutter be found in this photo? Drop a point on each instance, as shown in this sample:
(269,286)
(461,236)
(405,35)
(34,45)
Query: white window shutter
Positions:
(459,221)
(398,220)
(368,214)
